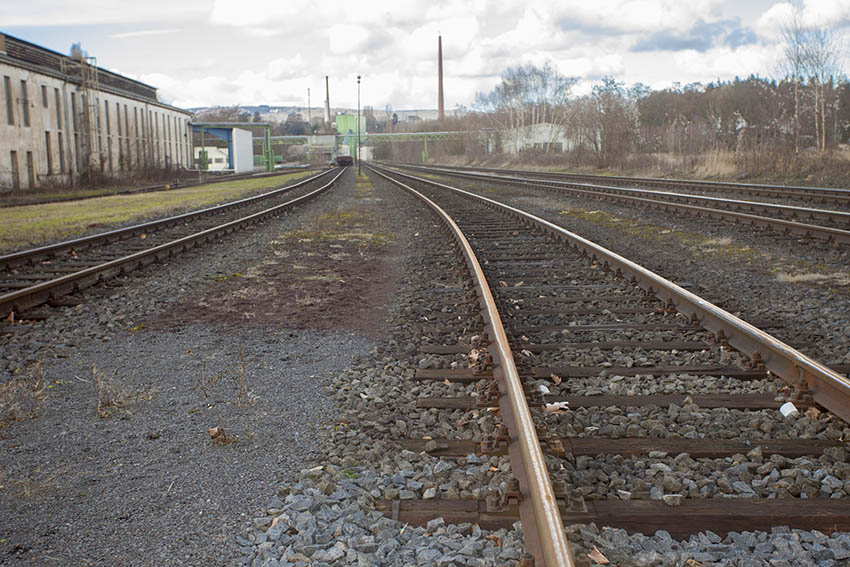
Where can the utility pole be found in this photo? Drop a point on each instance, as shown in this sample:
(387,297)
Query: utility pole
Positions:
(358,125)
(309,118)
(440,110)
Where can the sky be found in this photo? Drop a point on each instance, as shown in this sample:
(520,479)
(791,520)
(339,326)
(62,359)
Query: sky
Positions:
(251,52)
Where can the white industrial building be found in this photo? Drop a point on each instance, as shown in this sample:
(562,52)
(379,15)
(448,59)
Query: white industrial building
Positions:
(62,118)
(543,136)
(216,158)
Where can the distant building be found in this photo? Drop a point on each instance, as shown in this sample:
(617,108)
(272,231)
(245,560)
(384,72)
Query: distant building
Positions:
(64,117)
(236,156)
(543,137)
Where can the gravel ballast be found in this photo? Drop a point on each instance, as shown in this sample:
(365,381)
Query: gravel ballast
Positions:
(146,485)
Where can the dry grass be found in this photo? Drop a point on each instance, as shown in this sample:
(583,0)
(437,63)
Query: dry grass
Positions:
(111,395)
(37,482)
(833,278)
(722,241)
(716,165)
(207,381)
(22,398)
(35,224)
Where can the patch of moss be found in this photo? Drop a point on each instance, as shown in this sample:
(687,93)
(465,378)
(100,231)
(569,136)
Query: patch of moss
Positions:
(224,277)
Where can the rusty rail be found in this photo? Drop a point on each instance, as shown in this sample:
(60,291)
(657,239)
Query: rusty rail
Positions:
(837,195)
(829,234)
(41,293)
(23,256)
(828,388)
(543,527)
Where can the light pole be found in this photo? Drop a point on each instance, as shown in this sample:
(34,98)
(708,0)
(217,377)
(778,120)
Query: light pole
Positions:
(358,125)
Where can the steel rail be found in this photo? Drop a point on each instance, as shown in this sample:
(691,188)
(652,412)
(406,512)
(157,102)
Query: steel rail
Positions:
(829,234)
(825,193)
(543,527)
(34,254)
(179,184)
(828,388)
(721,203)
(17,301)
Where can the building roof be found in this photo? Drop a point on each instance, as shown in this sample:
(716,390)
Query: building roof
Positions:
(16,50)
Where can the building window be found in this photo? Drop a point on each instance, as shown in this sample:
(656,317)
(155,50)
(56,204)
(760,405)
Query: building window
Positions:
(16,176)
(49,153)
(30,171)
(25,104)
(58,109)
(61,153)
(74,111)
(44,95)
(10,106)
(77,151)
(106,111)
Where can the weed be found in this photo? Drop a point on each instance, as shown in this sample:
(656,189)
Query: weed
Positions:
(239,379)
(224,277)
(22,398)
(111,396)
(206,383)
(36,482)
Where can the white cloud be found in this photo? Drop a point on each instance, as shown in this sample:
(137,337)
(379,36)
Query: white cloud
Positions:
(92,12)
(346,39)
(726,63)
(143,33)
(632,15)
(770,24)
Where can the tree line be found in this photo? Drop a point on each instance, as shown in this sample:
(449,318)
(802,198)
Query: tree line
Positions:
(805,109)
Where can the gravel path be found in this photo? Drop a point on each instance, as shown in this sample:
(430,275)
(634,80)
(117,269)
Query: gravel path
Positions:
(145,485)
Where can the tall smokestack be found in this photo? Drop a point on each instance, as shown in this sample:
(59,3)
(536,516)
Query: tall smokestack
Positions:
(440,110)
(327,103)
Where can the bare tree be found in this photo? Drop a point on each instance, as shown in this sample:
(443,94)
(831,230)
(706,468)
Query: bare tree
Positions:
(528,95)
(823,64)
(812,55)
(794,34)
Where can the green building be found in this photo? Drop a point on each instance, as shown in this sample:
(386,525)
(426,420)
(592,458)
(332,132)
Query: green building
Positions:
(346,127)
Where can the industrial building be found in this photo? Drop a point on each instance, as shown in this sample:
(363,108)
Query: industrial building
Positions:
(63,118)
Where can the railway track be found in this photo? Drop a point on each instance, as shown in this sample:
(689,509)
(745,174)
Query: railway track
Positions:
(43,275)
(825,224)
(835,197)
(9,200)
(606,375)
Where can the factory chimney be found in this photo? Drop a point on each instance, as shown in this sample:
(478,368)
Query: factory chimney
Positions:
(327,103)
(440,110)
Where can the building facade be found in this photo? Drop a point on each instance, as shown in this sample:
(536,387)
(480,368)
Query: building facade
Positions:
(62,119)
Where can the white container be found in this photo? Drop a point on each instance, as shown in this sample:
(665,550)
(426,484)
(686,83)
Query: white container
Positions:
(788,409)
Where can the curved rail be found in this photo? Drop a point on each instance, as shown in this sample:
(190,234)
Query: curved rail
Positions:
(18,301)
(828,388)
(34,254)
(829,234)
(542,525)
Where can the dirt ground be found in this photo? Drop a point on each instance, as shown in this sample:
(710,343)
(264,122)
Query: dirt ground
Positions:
(333,274)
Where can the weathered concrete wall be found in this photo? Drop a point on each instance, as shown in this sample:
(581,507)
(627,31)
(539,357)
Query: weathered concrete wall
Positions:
(41,121)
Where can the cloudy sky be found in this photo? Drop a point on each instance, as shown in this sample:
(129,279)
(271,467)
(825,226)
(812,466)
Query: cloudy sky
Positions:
(225,52)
